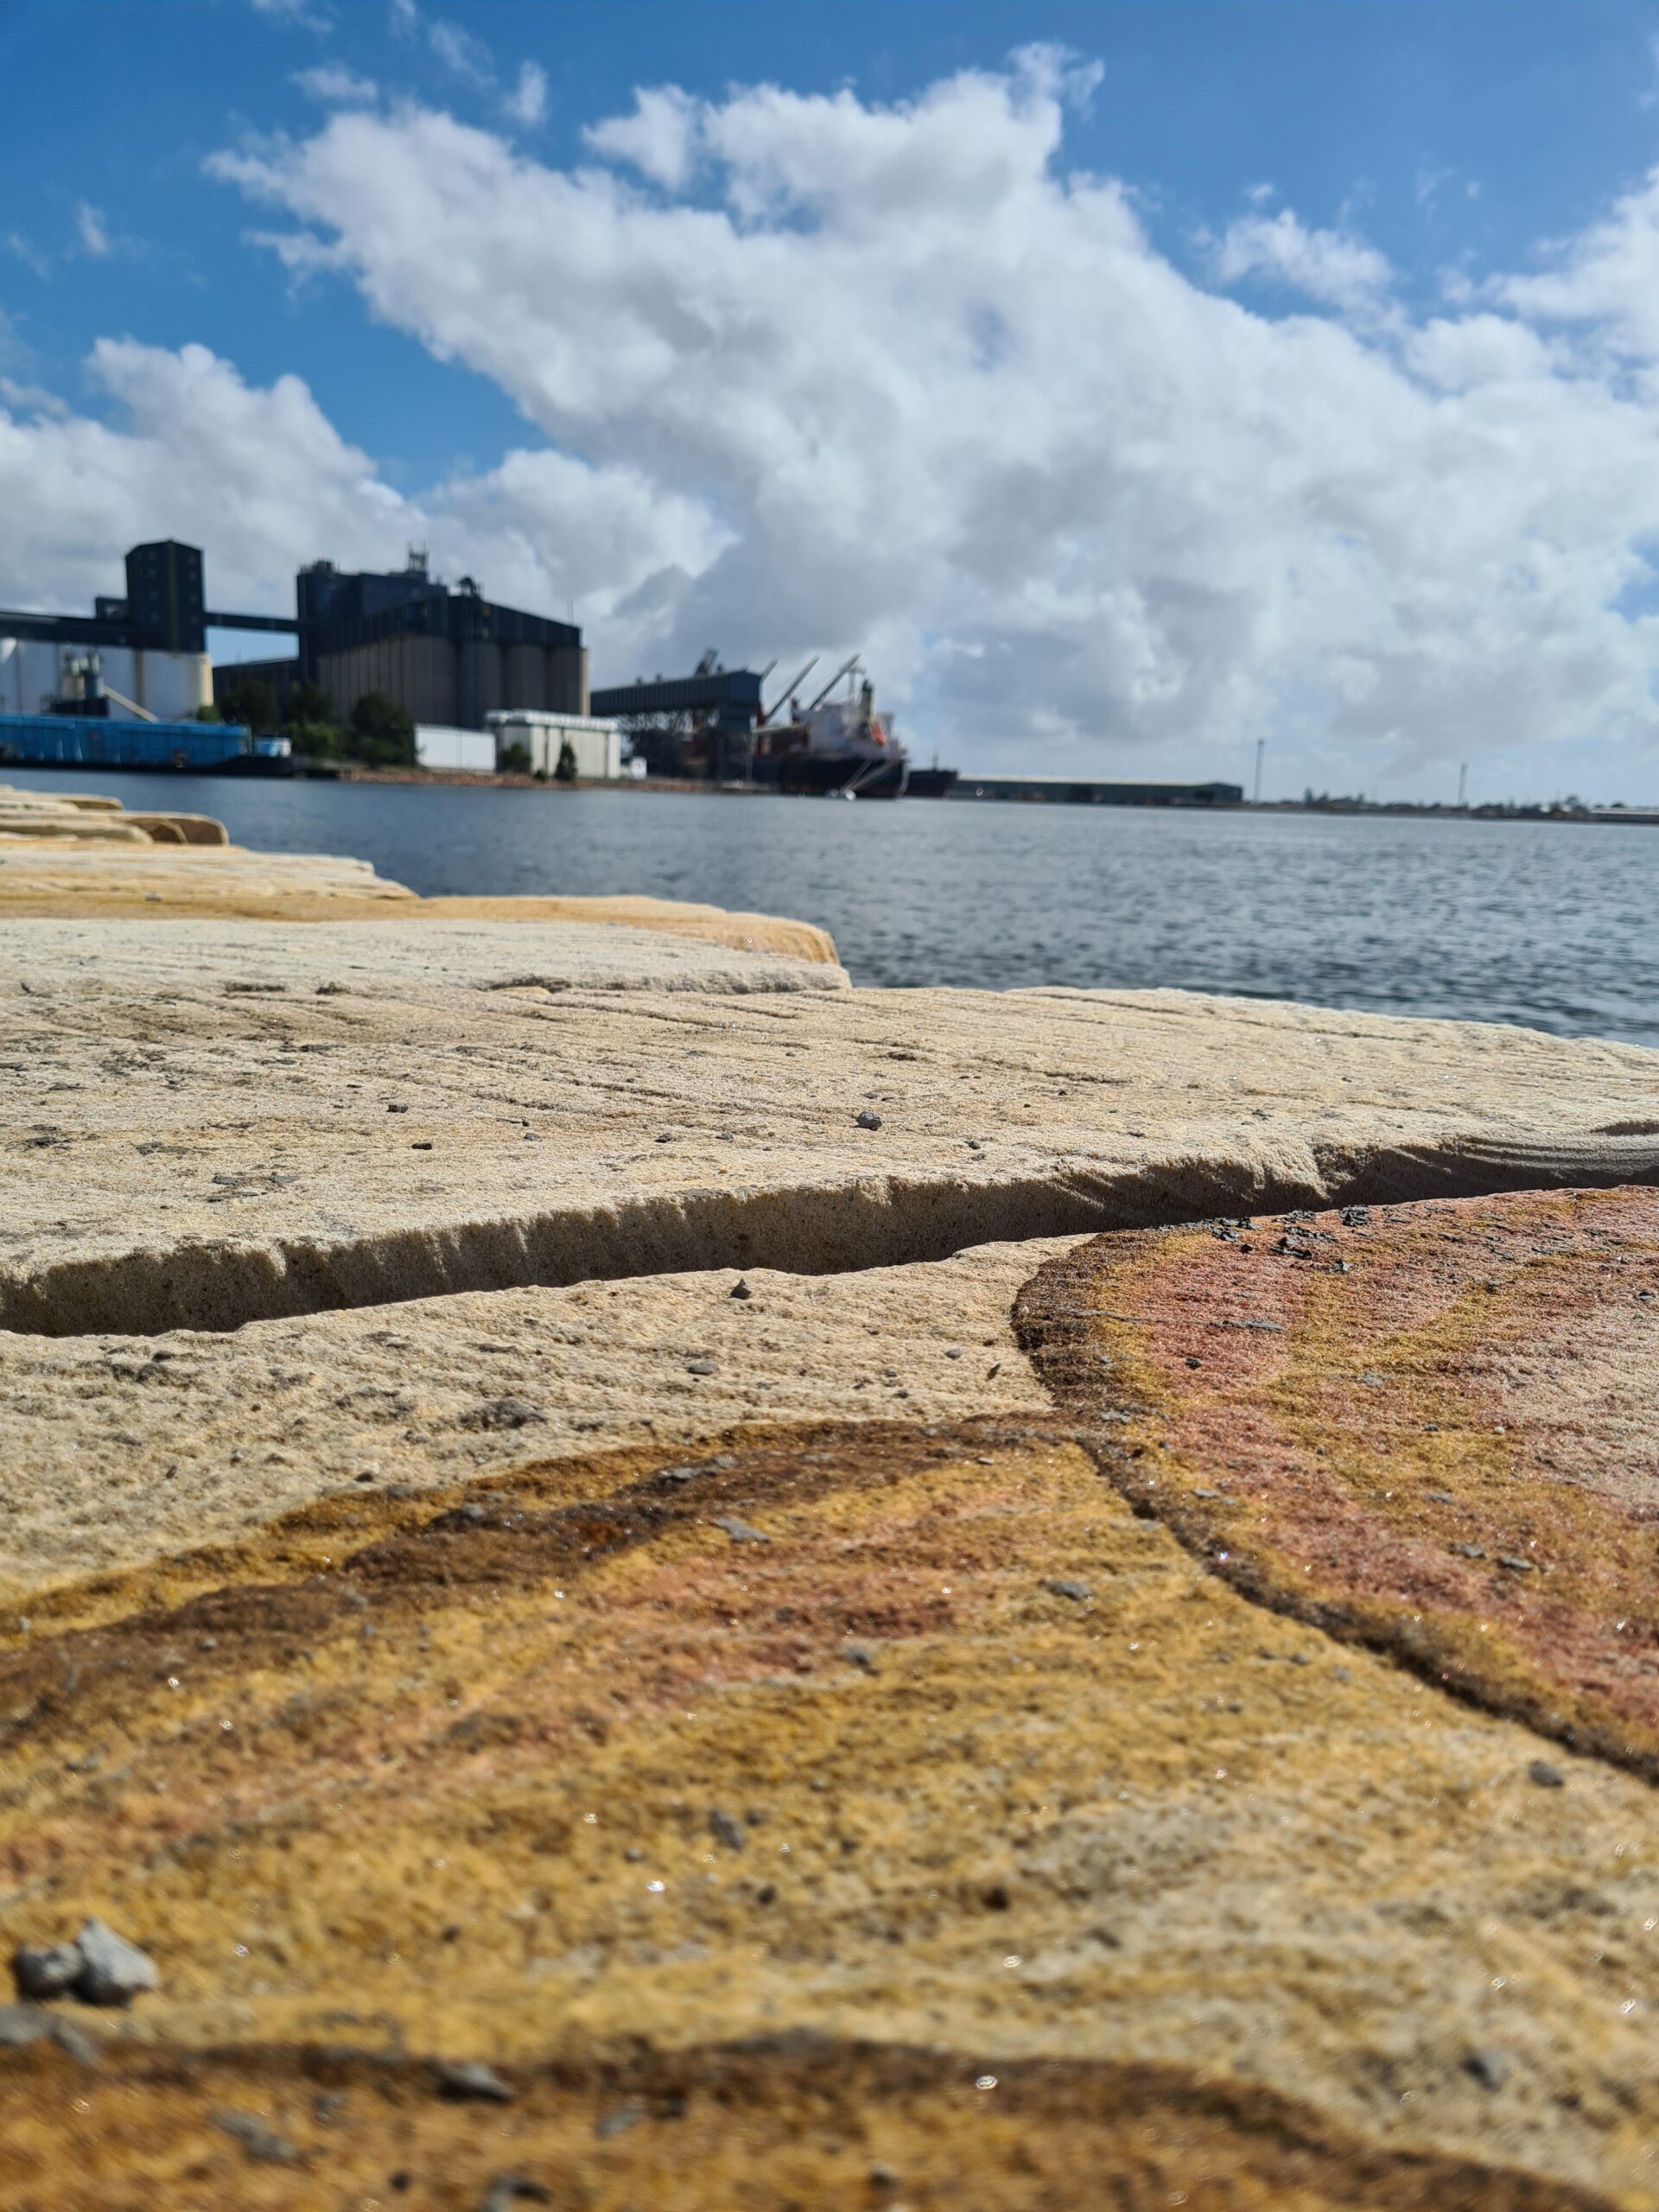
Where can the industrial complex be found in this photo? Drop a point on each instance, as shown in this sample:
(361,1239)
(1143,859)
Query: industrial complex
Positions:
(486,688)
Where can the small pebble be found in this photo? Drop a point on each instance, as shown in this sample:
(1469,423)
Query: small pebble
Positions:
(1546,1775)
(422,1144)
(618,2122)
(1490,2067)
(48,1972)
(112,1971)
(474,2080)
(1514,1565)
(1060,1585)
(740,1289)
(23,2025)
(507,2190)
(739,1531)
(867,1120)
(699,1366)
(724,1829)
(259,2141)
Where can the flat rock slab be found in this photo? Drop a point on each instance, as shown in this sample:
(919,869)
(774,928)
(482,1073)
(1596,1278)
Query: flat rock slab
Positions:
(1433,1428)
(201,1151)
(116,1451)
(78,867)
(127,959)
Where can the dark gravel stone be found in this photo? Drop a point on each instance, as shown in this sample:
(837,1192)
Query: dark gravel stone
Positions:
(1490,2067)
(724,1829)
(618,2122)
(112,1971)
(1062,1585)
(508,2189)
(741,1290)
(507,1413)
(472,2080)
(739,1531)
(259,2141)
(48,1972)
(867,1120)
(23,2025)
(1546,1775)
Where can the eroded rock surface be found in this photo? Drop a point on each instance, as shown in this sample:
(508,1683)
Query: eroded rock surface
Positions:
(205,1151)
(116,1450)
(1161,1720)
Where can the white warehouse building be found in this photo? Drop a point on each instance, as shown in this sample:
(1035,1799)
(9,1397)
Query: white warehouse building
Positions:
(595,740)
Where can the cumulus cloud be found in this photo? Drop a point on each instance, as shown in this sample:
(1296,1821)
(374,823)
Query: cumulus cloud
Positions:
(92,232)
(527,102)
(814,373)
(302,15)
(261,480)
(1605,280)
(937,393)
(334,86)
(1333,267)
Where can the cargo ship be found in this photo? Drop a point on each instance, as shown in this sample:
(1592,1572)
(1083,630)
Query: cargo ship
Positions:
(842,748)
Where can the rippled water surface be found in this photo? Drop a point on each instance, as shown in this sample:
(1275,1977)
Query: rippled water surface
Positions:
(1532,922)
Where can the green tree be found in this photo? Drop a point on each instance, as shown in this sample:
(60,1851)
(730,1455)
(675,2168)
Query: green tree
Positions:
(382,733)
(208,714)
(249,699)
(566,771)
(309,703)
(514,757)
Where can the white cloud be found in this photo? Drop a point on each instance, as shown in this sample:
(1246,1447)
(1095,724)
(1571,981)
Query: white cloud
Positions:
(25,250)
(334,86)
(659,139)
(1605,280)
(944,400)
(301,14)
(92,231)
(261,480)
(527,102)
(1333,267)
(816,373)
(462,53)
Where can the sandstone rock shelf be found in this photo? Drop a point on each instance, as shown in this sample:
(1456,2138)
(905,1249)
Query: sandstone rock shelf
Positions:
(650,1579)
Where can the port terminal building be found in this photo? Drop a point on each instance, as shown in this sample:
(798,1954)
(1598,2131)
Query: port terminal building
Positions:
(447,654)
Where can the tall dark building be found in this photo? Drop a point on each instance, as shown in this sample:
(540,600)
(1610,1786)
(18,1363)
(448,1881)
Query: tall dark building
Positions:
(444,652)
(165,605)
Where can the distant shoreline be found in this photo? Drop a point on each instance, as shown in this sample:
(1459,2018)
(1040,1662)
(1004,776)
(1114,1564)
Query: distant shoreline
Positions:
(464,778)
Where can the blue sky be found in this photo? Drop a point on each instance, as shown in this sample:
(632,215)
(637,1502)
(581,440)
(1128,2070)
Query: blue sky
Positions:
(1331,185)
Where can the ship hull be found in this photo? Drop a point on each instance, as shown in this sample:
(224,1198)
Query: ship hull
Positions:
(819,775)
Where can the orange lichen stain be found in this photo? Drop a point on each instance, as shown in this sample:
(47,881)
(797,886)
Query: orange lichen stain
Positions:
(1377,1442)
(846,1738)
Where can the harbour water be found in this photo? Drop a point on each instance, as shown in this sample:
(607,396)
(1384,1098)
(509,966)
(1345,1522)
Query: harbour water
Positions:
(1554,926)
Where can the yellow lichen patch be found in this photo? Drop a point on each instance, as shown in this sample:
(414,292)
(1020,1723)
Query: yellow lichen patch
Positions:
(1435,1429)
(910,1739)
(785,2122)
